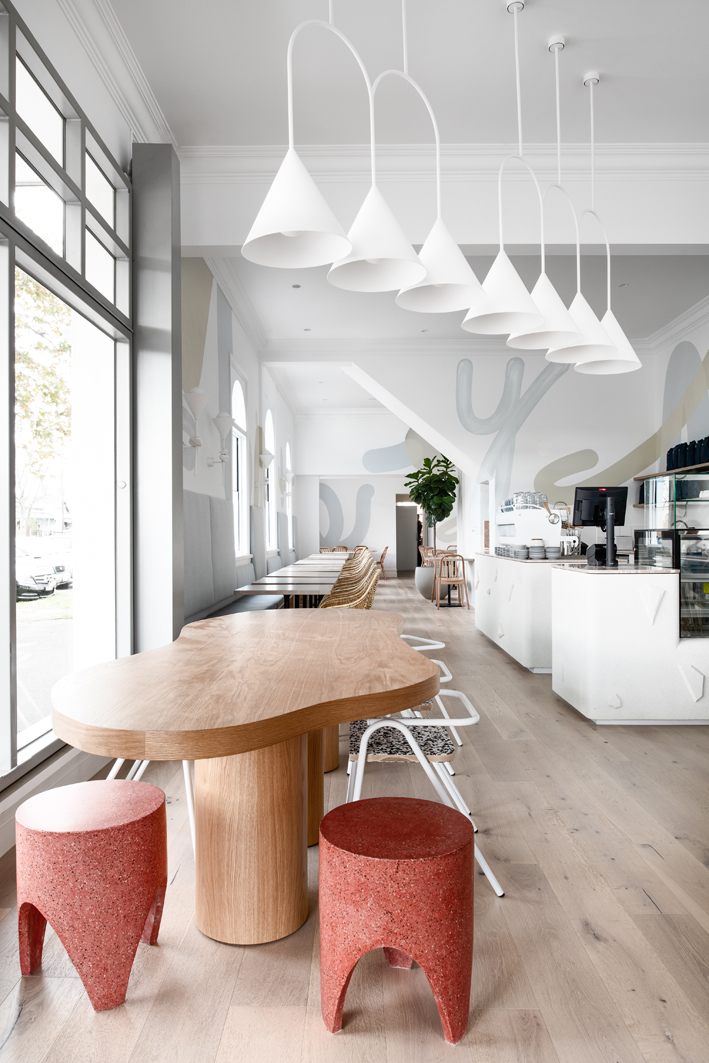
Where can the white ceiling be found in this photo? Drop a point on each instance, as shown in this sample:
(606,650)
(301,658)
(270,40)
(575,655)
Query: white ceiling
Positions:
(648,291)
(321,388)
(218,69)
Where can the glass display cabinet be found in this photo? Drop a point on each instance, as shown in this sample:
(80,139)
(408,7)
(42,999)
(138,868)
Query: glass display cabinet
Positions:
(688,551)
(676,499)
(694,583)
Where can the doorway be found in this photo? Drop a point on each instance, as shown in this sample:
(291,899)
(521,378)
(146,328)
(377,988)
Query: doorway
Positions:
(406,535)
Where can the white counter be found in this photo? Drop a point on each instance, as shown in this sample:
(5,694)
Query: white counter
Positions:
(513,607)
(616,652)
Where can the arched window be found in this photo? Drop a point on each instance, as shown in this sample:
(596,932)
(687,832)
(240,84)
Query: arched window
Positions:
(289,495)
(269,441)
(239,464)
(238,406)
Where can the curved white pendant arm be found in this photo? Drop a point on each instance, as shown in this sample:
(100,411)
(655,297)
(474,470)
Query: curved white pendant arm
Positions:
(360,63)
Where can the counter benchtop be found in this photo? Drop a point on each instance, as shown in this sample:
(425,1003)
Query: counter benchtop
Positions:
(621,570)
(533,560)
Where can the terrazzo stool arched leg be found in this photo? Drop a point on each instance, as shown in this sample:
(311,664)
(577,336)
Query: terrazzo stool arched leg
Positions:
(397,873)
(92,861)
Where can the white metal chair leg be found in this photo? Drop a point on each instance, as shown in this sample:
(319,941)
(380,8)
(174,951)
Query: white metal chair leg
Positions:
(138,775)
(443,709)
(189,792)
(350,782)
(487,872)
(131,774)
(447,674)
(116,768)
(449,767)
(426,644)
(452,789)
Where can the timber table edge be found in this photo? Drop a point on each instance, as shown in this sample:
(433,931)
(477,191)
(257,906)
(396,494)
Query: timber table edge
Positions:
(208,743)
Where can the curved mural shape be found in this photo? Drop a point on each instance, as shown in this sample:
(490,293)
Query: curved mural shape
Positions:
(682,367)
(336,517)
(569,465)
(648,452)
(386,459)
(417,449)
(512,411)
(363,516)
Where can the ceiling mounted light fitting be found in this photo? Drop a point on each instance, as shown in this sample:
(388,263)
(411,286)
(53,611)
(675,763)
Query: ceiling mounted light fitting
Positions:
(450,283)
(381,259)
(508,308)
(623,359)
(295,227)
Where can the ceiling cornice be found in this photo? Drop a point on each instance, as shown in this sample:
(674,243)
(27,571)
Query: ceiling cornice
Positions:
(102,38)
(253,164)
(682,326)
(230,283)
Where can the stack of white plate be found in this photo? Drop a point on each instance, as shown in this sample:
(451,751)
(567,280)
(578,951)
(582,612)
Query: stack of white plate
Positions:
(536,553)
(553,553)
(521,553)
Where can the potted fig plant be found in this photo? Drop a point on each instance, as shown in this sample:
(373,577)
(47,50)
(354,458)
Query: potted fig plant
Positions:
(433,488)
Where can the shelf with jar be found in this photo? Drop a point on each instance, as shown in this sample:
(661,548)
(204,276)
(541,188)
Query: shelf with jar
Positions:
(674,499)
(686,550)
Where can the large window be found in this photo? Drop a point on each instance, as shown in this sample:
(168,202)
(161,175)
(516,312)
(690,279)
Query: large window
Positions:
(59,184)
(239,464)
(65,457)
(269,439)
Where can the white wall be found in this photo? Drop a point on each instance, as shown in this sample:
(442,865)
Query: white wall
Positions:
(361,509)
(335,444)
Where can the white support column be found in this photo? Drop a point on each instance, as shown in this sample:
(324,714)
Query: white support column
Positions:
(159,547)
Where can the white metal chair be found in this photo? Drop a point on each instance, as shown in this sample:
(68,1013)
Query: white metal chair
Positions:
(136,773)
(432,755)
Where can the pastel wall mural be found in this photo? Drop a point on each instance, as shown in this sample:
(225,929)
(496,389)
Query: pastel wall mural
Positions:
(512,411)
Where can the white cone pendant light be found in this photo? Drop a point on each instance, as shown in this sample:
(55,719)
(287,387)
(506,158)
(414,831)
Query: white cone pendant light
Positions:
(558,329)
(508,307)
(450,283)
(595,346)
(295,227)
(624,361)
(381,259)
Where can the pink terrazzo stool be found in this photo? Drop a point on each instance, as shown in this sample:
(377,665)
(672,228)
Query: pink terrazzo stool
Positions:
(92,861)
(397,873)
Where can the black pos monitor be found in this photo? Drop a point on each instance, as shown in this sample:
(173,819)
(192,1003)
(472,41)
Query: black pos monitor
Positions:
(601,507)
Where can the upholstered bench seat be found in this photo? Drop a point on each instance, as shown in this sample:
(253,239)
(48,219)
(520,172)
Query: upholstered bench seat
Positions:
(249,602)
(389,744)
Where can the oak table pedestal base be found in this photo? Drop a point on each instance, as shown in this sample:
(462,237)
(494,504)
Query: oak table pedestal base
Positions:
(251,865)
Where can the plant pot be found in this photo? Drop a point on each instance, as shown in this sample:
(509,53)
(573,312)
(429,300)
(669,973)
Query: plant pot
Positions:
(423,577)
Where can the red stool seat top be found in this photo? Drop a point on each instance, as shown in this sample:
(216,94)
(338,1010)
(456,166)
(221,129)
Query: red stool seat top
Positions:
(396,828)
(89,806)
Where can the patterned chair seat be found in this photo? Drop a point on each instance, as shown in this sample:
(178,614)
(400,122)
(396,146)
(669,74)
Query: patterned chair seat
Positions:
(389,744)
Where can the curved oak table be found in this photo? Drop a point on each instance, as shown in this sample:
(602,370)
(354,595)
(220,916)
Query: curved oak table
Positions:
(239,695)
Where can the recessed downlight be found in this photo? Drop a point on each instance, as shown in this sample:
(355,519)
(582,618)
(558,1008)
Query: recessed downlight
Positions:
(307,330)
(295,286)
(624,285)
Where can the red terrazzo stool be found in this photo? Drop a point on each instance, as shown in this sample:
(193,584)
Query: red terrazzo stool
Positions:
(92,861)
(397,873)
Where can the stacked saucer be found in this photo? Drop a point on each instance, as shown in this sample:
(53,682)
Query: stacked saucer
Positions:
(536,553)
(521,553)
(553,553)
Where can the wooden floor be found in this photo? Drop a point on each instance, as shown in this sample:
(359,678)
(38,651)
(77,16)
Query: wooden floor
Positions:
(598,953)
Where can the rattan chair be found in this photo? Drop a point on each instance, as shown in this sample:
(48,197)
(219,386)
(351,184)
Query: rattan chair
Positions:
(380,562)
(450,572)
(339,549)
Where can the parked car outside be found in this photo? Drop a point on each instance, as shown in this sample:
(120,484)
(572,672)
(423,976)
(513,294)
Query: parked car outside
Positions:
(56,550)
(34,577)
